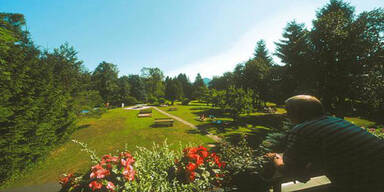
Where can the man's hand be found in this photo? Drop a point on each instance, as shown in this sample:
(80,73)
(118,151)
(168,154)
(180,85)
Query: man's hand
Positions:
(276,158)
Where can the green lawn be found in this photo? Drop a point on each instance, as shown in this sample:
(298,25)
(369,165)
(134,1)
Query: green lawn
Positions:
(360,122)
(110,133)
(191,113)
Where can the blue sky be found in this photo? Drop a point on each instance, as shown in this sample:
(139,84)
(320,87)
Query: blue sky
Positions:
(178,36)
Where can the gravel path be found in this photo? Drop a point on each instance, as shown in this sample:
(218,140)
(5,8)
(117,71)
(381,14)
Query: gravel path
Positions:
(214,137)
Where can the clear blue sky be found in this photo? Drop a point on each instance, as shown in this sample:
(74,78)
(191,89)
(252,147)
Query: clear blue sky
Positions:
(206,36)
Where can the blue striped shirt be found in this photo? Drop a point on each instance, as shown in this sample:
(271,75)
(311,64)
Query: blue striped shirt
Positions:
(352,158)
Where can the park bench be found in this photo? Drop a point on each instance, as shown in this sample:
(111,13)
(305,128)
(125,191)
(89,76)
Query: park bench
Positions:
(145,113)
(172,109)
(164,122)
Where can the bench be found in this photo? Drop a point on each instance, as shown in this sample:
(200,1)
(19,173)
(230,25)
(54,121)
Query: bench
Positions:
(164,122)
(145,113)
(172,109)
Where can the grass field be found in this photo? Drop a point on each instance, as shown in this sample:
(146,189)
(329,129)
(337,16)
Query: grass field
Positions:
(251,124)
(110,133)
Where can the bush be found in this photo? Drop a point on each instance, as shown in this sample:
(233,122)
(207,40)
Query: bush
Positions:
(185,101)
(111,173)
(200,166)
(152,100)
(129,100)
(245,166)
(146,170)
(162,101)
(378,132)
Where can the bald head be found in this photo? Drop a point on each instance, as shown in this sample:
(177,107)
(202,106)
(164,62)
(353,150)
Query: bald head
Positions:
(301,108)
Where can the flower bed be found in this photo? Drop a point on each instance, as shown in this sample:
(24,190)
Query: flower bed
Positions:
(161,169)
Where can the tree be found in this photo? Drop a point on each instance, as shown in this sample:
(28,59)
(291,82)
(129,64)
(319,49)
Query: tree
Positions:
(199,87)
(123,93)
(295,51)
(236,102)
(222,82)
(35,112)
(66,67)
(186,85)
(153,81)
(173,89)
(105,80)
(261,52)
(137,87)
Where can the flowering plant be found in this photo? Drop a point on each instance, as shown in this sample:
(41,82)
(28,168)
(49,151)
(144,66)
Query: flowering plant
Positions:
(111,173)
(198,164)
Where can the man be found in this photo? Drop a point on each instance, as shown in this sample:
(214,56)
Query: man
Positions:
(352,158)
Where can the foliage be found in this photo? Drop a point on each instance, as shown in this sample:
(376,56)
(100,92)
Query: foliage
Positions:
(137,88)
(147,170)
(111,173)
(105,80)
(244,165)
(185,101)
(36,111)
(236,102)
(201,167)
(199,87)
(173,89)
(378,132)
(154,84)
(186,85)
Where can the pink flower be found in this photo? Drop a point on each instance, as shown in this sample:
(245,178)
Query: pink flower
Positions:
(127,162)
(111,186)
(129,173)
(99,172)
(94,185)
(372,130)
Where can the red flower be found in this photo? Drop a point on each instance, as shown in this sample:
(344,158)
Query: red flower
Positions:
(204,154)
(99,172)
(111,186)
(94,185)
(202,148)
(192,176)
(129,173)
(199,160)
(127,162)
(66,179)
(191,167)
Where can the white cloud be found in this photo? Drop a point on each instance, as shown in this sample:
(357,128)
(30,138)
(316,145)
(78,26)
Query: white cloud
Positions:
(270,30)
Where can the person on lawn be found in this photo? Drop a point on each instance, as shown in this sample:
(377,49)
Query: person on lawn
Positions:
(349,156)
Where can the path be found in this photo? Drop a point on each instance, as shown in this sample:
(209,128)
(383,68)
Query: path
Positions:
(214,137)
(48,187)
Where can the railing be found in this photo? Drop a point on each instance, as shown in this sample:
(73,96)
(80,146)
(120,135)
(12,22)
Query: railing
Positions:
(278,180)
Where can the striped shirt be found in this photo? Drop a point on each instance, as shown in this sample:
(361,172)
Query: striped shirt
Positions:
(352,158)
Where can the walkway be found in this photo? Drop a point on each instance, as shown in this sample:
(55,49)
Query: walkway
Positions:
(214,137)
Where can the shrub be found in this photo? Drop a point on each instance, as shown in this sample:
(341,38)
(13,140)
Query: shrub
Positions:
(378,132)
(200,166)
(152,99)
(185,101)
(244,166)
(151,170)
(129,100)
(111,173)
(162,100)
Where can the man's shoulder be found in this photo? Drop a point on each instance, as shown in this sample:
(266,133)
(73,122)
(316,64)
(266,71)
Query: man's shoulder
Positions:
(317,122)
